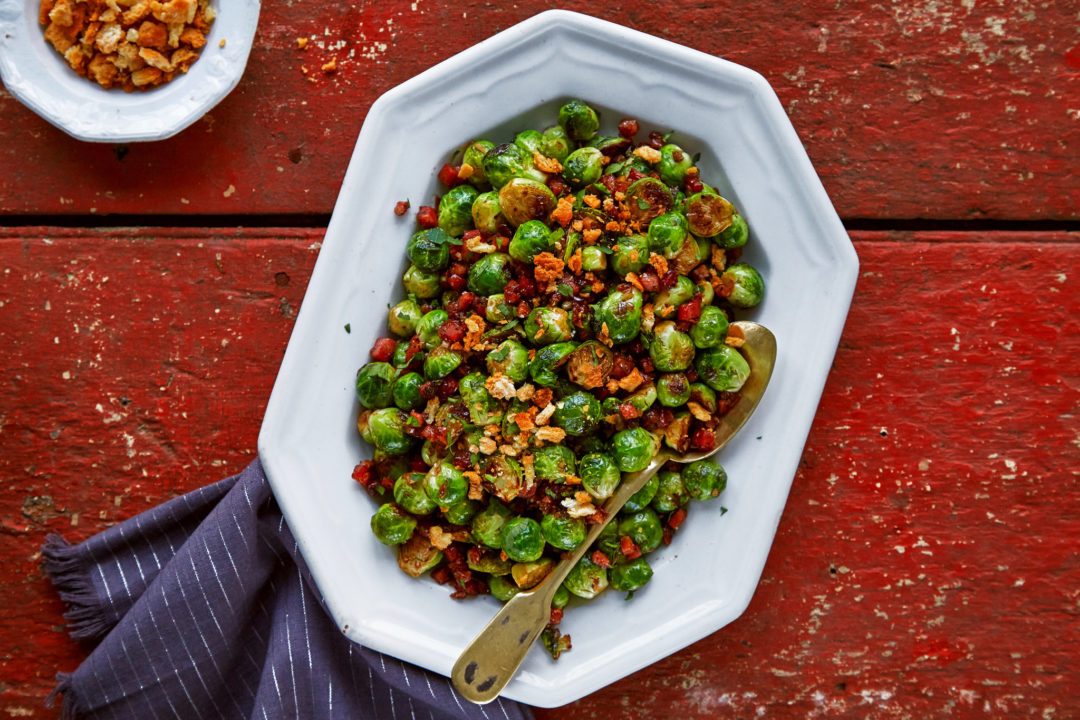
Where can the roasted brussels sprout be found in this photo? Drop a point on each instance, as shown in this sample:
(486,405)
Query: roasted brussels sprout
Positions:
(529,140)
(483,408)
(561,597)
(579,120)
(554,463)
(531,238)
(403,318)
(631,576)
(417,555)
(694,252)
(409,493)
(671,350)
(611,146)
(524,199)
(445,485)
(522,540)
(374,384)
(578,414)
(644,528)
(419,283)
(488,562)
(529,574)
(428,250)
(633,448)
(704,479)
(556,143)
(510,358)
(620,311)
(461,513)
(589,365)
(704,396)
(722,368)
(665,301)
(547,362)
(672,389)
(501,588)
(388,431)
(631,255)
(563,531)
(428,327)
(667,233)
(583,166)
(708,214)
(671,494)
(674,162)
(711,328)
(643,497)
(392,525)
(505,162)
(399,359)
(474,158)
(487,213)
(586,579)
(440,362)
(735,235)
(648,198)
(505,474)
(487,525)
(498,310)
(455,210)
(406,391)
(593,259)
(546,325)
(749,287)
(599,475)
(489,274)
(642,398)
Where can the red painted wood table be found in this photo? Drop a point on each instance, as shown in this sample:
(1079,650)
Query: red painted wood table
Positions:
(926,564)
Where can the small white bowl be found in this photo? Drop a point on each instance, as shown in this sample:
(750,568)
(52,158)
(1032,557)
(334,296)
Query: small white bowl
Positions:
(37,75)
(513,81)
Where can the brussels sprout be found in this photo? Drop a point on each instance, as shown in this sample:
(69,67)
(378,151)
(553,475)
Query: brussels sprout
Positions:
(403,318)
(501,588)
(671,494)
(704,396)
(399,360)
(505,474)
(531,238)
(621,312)
(599,475)
(509,423)
(487,562)
(671,350)
(428,250)
(547,361)
(554,463)
(579,120)
(522,540)
(546,325)
(417,555)
(677,432)
(734,236)
(611,146)
(461,513)
(529,574)
(388,431)
(631,576)
(593,259)
(577,414)
(363,425)
(674,162)
(633,448)
(590,364)
(374,385)
(705,289)
(583,166)
(487,525)
(708,214)
(455,210)
(704,479)
(440,362)
(648,198)
(665,301)
(563,531)
(489,274)
(392,525)
(586,579)
(722,368)
(672,389)
(419,283)
(507,161)
(409,494)
(510,358)
(644,528)
(561,597)
(483,408)
(667,233)
(529,140)
(474,158)
(632,162)
(487,213)
(524,199)
(694,252)
(642,398)
(641,499)
(428,327)
(749,286)
(710,329)
(445,485)
(631,255)
(407,391)
(556,143)
(498,310)
(609,542)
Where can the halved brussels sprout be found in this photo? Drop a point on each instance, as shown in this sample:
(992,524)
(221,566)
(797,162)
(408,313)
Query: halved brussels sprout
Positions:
(498,310)
(417,555)
(548,359)
(590,364)
(409,493)
(674,162)
(631,576)
(704,479)
(671,493)
(633,449)
(620,311)
(487,213)
(529,574)
(522,540)
(445,485)
(563,531)
(490,274)
(510,358)
(599,475)
(677,432)
(704,396)
(505,474)
(708,214)
(735,235)
(749,286)
(578,414)
(648,198)
(579,120)
(583,166)
(672,389)
(593,259)
(406,391)
(667,233)
(711,328)
(487,525)
(455,210)
(487,562)
(671,350)
(642,398)
(665,301)
(474,158)
(546,325)
(419,283)
(554,463)
(374,384)
(392,525)
(440,362)
(483,408)
(586,579)
(403,318)
(722,368)
(524,199)
(644,528)
(428,251)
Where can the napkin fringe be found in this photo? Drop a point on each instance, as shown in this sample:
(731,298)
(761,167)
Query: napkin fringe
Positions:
(69,572)
(68,709)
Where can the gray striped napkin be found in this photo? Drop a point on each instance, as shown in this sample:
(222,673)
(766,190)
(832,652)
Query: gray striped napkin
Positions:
(203,608)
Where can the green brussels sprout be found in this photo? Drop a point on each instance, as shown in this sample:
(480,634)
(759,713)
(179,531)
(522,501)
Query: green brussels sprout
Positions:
(392,525)
(749,286)
(510,358)
(421,284)
(578,414)
(504,162)
(704,396)
(583,167)
(388,431)
(407,391)
(631,255)
(631,576)
(642,398)
(611,146)
(677,432)
(501,588)
(409,494)
(524,199)
(708,214)
(704,479)
(665,301)
(498,310)
(590,364)
(505,474)
(633,449)
(547,361)
(403,318)
(647,199)
(487,213)
(522,539)
(428,327)
(621,312)
(394,466)
(474,158)
(440,362)
(593,259)
(563,531)
(432,453)
(667,233)
(487,525)
(487,562)
(546,325)
(579,120)
(461,513)
(554,463)
(455,210)
(483,408)
(672,389)
(671,494)
(399,360)
(670,350)
(610,543)
(560,598)
(586,579)
(644,528)
(631,162)
(674,162)
(374,385)
(529,140)
(599,475)
(428,250)
(722,368)
(363,425)
(531,238)
(694,252)
(489,274)
(556,143)
(711,328)
(445,485)
(643,497)
(705,289)
(735,235)
(529,574)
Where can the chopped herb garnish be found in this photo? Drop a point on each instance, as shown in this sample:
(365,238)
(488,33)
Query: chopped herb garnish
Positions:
(564,290)
(642,204)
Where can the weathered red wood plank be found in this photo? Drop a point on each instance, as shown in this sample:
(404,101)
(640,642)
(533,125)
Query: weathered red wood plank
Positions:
(925,109)
(925,563)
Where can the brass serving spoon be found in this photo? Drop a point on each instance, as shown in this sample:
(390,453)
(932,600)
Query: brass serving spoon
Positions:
(494,655)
